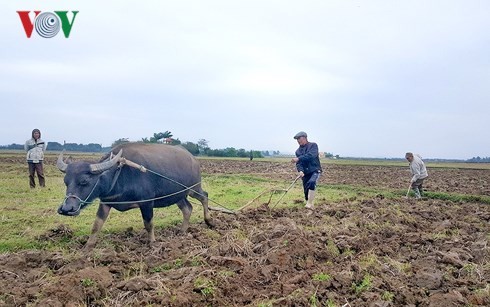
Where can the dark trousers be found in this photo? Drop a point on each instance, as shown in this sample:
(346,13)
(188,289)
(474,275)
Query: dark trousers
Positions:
(309,182)
(418,185)
(33,169)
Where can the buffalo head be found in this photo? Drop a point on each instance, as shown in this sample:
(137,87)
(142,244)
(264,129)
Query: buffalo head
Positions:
(82,180)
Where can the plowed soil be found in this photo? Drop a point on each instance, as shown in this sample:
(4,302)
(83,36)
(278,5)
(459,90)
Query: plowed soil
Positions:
(372,252)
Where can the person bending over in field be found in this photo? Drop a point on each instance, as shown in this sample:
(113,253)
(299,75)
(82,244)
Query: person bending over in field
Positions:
(308,165)
(419,173)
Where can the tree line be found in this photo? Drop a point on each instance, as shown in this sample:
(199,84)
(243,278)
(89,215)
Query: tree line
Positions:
(199,148)
(479,160)
(55,146)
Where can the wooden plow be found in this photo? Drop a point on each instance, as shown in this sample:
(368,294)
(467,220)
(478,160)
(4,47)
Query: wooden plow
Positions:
(271,191)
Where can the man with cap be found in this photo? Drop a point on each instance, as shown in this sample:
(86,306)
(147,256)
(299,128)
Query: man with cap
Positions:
(308,165)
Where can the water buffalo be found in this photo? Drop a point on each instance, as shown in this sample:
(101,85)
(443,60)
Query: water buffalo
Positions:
(172,175)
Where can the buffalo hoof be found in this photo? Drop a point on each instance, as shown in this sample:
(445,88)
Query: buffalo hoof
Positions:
(210,223)
(88,248)
(90,244)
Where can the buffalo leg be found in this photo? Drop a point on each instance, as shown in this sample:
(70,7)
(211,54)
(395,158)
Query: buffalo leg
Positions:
(186,208)
(102,214)
(147,214)
(202,196)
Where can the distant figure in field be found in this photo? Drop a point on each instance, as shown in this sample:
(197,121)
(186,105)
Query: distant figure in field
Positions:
(308,165)
(419,173)
(251,155)
(35,148)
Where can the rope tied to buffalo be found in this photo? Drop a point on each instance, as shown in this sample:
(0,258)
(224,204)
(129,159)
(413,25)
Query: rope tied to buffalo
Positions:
(143,169)
(81,202)
(147,200)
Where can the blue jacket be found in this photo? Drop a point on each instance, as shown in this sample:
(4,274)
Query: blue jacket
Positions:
(309,160)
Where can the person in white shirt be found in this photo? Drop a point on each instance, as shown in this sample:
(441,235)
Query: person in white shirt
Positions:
(35,148)
(419,173)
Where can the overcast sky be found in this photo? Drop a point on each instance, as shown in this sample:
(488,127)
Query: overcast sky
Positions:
(362,78)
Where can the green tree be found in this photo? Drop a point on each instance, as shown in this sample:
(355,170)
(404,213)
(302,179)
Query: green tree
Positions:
(92,147)
(257,154)
(55,146)
(191,147)
(230,152)
(158,137)
(203,146)
(242,153)
(175,142)
(120,141)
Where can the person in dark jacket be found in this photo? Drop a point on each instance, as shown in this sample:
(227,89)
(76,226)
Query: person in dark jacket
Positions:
(35,148)
(308,165)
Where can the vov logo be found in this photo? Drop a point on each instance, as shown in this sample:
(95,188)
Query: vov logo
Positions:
(47,24)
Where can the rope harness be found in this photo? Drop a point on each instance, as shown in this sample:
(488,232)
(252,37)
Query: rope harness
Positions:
(146,200)
(124,161)
(81,202)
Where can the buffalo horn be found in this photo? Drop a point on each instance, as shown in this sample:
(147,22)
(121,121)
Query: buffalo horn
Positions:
(103,166)
(60,163)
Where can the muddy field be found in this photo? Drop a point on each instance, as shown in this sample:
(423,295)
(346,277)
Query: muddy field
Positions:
(460,181)
(372,252)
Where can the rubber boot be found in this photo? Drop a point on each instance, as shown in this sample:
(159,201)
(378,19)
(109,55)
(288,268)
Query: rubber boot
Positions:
(311,199)
(417,193)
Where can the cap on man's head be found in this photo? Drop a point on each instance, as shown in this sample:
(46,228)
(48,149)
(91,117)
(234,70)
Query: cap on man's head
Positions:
(300,134)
